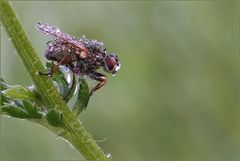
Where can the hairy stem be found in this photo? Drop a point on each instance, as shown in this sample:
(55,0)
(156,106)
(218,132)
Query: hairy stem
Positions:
(73,130)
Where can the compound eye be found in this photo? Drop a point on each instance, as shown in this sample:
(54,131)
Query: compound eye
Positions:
(111,62)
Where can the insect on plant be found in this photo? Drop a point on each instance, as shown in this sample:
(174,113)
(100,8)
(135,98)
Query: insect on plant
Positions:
(82,56)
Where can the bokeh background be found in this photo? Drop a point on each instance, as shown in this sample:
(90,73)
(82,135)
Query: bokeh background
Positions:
(176,96)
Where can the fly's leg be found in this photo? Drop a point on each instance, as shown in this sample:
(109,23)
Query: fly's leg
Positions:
(99,77)
(54,69)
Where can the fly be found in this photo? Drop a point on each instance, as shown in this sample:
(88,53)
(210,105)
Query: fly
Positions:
(82,56)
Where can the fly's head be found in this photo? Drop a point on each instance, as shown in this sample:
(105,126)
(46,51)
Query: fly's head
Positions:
(111,63)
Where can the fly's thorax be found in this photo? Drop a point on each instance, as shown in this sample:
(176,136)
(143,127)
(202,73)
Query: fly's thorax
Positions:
(93,61)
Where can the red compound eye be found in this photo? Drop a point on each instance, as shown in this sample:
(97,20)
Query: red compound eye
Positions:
(111,62)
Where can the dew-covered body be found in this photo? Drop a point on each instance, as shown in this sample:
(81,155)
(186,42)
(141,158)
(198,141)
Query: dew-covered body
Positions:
(57,50)
(82,56)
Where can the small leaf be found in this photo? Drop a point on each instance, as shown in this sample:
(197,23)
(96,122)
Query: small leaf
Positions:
(14,111)
(3,99)
(60,79)
(21,110)
(65,91)
(3,85)
(55,118)
(32,110)
(19,92)
(82,99)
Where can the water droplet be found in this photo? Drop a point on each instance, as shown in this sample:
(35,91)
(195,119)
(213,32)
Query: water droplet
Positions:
(31,88)
(109,156)
(57,30)
(68,78)
(58,138)
(43,113)
(7,116)
(76,89)
(102,140)
(60,133)
(57,86)
(71,146)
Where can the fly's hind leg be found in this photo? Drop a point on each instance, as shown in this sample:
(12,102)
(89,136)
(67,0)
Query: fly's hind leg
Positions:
(99,77)
(54,69)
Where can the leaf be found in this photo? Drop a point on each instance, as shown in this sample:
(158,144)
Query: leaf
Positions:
(65,91)
(19,92)
(55,118)
(60,79)
(3,99)
(21,110)
(32,110)
(14,111)
(82,99)
(3,85)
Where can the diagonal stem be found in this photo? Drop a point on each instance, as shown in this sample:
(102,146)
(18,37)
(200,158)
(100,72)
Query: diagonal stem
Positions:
(74,131)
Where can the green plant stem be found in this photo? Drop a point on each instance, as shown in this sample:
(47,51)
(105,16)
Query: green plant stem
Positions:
(73,130)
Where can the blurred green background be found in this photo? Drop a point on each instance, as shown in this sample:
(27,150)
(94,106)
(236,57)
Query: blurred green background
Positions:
(176,96)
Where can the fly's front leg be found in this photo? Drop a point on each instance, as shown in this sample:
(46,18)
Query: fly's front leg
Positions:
(99,77)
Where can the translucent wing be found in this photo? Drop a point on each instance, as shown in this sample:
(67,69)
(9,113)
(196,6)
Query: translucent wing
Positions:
(55,32)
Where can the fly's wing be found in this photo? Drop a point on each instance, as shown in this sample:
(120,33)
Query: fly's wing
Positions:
(55,32)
